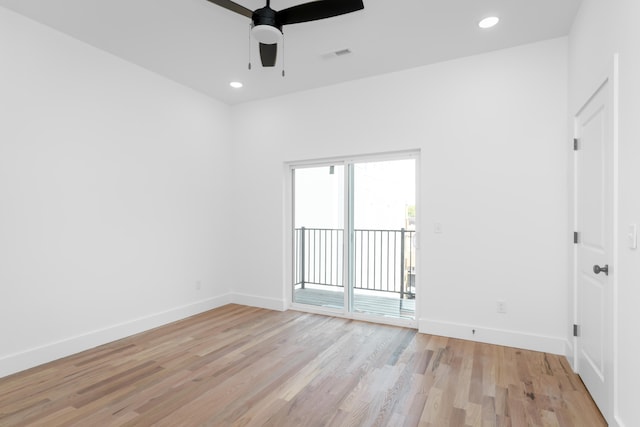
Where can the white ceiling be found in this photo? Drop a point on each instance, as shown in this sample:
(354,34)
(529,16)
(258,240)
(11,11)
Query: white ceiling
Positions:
(204,46)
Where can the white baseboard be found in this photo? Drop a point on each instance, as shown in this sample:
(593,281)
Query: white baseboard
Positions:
(569,353)
(49,352)
(554,345)
(260,302)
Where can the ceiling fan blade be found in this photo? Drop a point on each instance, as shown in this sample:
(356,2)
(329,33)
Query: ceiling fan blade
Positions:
(315,10)
(268,53)
(234,7)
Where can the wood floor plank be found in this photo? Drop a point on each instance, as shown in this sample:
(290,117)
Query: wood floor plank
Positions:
(243,366)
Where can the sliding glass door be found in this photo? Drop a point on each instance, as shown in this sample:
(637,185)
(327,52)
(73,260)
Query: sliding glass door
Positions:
(319,236)
(383,254)
(354,237)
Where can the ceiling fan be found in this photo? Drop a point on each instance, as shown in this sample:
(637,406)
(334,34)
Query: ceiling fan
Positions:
(266,23)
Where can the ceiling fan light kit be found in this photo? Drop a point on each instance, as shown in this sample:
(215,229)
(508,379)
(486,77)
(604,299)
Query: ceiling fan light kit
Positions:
(266,34)
(267,23)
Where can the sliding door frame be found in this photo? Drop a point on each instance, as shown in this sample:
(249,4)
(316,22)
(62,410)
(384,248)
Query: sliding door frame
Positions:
(348,163)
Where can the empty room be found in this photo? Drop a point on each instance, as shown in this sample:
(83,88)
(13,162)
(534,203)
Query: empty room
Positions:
(325,213)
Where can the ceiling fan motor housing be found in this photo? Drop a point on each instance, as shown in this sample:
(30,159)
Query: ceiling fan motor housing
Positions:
(266,16)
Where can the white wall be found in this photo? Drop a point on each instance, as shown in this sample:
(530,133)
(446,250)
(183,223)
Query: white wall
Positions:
(114,189)
(492,134)
(600,30)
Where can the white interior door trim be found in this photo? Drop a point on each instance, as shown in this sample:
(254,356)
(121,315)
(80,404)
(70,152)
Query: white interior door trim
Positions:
(615,81)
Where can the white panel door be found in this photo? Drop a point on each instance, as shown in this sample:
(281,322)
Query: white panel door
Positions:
(594,215)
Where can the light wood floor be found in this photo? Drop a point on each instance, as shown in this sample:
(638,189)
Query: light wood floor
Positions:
(245,366)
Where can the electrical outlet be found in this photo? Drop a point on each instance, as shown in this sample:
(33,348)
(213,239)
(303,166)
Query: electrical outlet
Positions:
(501,307)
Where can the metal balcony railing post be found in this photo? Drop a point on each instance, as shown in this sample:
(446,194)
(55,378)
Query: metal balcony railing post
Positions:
(302,256)
(402,263)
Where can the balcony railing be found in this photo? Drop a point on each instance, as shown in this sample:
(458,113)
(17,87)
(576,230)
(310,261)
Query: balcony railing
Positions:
(383,260)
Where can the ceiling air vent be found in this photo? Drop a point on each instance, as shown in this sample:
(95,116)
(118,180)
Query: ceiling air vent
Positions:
(336,53)
(342,52)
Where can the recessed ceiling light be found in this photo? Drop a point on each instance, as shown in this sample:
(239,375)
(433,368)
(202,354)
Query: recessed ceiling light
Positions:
(236,85)
(488,22)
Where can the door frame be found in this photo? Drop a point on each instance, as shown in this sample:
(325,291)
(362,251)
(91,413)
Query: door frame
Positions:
(610,78)
(288,237)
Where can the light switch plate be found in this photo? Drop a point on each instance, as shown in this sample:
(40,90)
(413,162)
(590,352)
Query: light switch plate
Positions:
(633,236)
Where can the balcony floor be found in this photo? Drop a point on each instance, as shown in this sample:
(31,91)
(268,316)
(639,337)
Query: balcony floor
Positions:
(384,304)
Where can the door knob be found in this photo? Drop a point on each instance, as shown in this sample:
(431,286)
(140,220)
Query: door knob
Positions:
(597,269)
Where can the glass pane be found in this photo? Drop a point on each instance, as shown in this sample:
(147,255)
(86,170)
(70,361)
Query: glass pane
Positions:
(318,236)
(383,256)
